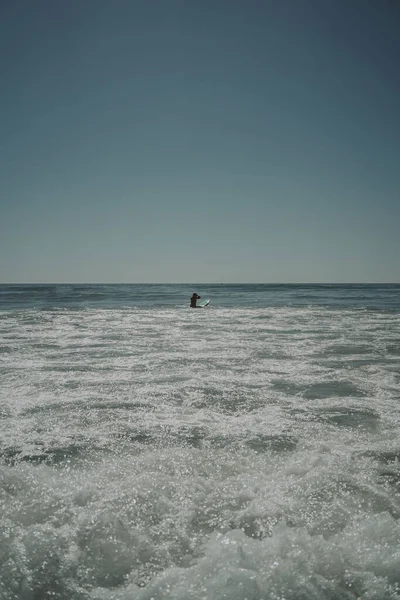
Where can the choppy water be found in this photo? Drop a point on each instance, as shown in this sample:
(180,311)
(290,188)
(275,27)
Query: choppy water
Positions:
(249,450)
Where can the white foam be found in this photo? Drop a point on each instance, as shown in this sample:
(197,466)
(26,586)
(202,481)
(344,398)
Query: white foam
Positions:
(155,454)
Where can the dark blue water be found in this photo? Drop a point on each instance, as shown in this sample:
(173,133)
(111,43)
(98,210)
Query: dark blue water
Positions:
(46,296)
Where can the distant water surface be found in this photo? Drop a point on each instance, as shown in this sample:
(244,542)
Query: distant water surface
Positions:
(384,296)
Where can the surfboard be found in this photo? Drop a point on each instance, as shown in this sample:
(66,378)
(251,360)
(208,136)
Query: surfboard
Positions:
(206,303)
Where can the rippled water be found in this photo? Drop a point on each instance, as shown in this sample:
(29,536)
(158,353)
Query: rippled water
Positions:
(247,450)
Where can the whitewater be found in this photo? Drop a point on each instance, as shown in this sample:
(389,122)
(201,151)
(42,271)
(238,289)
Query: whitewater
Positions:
(246,451)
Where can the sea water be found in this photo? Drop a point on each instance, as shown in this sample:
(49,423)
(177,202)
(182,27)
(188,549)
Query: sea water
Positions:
(249,450)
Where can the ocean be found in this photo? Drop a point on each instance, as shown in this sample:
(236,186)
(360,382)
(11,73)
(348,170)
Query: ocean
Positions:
(246,451)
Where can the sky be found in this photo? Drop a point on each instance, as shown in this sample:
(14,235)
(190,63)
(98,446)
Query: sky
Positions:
(199,141)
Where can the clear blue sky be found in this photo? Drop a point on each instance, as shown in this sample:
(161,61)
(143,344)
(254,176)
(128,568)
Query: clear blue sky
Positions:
(200,141)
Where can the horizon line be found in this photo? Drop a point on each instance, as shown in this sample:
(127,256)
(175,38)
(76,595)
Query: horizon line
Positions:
(201,283)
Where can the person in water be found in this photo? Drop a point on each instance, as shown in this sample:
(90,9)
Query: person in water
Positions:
(193,300)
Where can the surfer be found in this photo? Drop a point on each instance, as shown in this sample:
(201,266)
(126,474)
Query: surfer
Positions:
(193,300)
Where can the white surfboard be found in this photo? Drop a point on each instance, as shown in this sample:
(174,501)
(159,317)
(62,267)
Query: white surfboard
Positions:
(206,303)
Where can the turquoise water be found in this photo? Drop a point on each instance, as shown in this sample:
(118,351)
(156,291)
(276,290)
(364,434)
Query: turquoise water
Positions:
(248,450)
